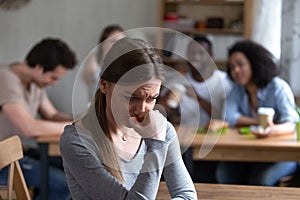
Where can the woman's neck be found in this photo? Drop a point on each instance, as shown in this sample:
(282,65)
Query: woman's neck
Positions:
(251,88)
(126,141)
(119,129)
(252,96)
(206,74)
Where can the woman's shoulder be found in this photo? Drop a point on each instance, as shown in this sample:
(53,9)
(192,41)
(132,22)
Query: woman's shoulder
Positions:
(74,134)
(75,138)
(278,81)
(171,132)
(278,84)
(69,132)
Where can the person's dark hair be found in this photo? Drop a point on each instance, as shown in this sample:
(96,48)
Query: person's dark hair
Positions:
(132,54)
(108,30)
(200,39)
(49,53)
(138,60)
(263,63)
(104,35)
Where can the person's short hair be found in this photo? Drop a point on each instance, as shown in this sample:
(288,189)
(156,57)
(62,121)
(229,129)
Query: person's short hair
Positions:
(49,53)
(203,39)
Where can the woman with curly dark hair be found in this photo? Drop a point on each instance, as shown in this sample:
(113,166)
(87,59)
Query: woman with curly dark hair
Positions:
(255,73)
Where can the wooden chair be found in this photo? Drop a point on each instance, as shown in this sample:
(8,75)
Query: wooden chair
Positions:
(10,153)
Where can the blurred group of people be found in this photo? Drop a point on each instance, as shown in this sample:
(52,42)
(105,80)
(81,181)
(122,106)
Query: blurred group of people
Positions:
(233,99)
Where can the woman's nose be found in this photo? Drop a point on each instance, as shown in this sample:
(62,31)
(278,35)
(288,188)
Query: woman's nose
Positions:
(234,69)
(140,107)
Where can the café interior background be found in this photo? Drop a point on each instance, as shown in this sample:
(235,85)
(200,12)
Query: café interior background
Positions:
(79,23)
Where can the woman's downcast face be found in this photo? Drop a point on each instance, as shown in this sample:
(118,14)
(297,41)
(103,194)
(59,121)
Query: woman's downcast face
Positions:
(134,100)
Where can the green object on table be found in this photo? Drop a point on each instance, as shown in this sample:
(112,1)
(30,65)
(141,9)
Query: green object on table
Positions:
(298,130)
(245,131)
(202,130)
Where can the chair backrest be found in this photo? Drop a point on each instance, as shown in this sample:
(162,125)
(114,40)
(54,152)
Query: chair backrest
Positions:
(10,153)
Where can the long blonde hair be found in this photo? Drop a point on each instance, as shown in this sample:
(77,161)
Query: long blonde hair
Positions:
(125,55)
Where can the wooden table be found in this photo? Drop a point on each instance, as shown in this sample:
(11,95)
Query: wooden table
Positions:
(49,146)
(236,192)
(233,146)
(230,146)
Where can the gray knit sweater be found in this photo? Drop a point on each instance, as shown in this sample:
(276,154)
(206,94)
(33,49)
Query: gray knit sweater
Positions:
(88,178)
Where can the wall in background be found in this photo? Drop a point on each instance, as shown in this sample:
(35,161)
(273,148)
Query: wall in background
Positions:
(77,22)
(290,57)
(266,27)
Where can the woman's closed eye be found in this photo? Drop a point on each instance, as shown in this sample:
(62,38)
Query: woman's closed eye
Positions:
(135,98)
(151,99)
(131,98)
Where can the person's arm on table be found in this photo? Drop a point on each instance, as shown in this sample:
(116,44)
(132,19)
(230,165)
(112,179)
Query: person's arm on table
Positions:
(246,121)
(286,110)
(275,130)
(49,112)
(27,124)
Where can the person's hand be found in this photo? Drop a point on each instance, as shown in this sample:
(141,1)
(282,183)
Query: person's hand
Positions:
(150,124)
(216,124)
(260,132)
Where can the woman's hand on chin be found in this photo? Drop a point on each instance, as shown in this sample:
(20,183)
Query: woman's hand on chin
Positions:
(150,124)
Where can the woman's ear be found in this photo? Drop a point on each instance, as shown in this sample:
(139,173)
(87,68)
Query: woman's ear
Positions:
(103,86)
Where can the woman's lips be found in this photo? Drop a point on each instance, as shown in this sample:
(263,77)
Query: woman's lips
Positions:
(238,78)
(139,118)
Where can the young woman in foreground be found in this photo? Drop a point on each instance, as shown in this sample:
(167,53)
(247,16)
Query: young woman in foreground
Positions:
(122,147)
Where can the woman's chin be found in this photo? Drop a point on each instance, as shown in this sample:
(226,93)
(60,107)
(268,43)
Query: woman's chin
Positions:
(139,119)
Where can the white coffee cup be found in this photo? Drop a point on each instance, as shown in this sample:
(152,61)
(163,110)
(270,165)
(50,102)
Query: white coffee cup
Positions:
(175,95)
(265,115)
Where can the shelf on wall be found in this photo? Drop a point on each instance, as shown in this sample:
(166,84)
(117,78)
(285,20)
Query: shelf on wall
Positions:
(178,15)
(215,31)
(206,2)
